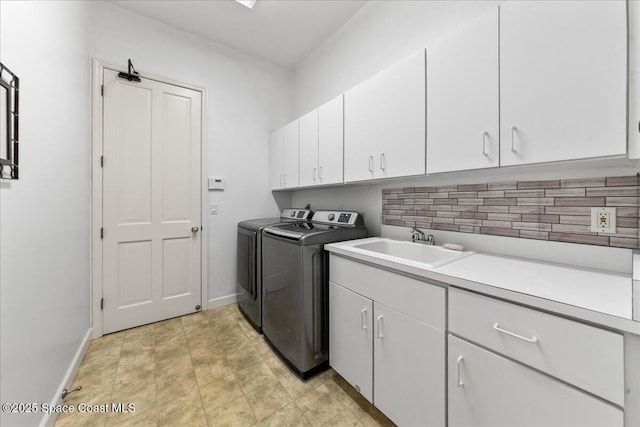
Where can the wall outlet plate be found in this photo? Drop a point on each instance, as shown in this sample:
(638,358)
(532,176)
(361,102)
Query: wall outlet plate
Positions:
(603,220)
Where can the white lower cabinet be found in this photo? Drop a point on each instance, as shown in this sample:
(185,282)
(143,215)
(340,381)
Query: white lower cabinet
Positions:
(494,364)
(386,339)
(408,369)
(351,338)
(486,389)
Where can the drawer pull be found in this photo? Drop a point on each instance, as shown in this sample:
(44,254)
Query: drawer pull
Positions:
(363,317)
(458,362)
(520,337)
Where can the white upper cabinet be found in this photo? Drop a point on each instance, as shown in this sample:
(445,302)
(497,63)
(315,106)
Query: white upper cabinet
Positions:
(276,159)
(463,98)
(562,80)
(309,149)
(384,127)
(283,157)
(321,144)
(291,156)
(331,141)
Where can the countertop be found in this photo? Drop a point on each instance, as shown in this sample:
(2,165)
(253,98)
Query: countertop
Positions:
(595,296)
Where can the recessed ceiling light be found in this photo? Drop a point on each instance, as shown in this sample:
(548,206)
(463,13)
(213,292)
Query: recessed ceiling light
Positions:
(247,3)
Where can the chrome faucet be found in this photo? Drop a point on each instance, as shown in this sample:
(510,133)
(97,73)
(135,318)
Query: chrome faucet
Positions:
(419,237)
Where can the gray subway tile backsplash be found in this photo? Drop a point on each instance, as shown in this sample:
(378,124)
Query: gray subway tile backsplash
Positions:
(557,210)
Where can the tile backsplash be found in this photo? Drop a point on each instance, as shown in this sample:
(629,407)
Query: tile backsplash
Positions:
(558,210)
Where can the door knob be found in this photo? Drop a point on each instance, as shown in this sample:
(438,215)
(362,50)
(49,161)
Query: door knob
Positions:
(194,229)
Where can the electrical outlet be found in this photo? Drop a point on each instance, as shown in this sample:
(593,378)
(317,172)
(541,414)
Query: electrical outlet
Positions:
(603,220)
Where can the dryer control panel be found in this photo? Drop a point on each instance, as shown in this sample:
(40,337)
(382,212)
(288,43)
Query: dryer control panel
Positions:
(338,218)
(299,214)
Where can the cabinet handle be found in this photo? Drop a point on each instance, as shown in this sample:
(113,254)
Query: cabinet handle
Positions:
(371,164)
(314,175)
(285,180)
(363,319)
(513,146)
(458,363)
(382,161)
(484,143)
(513,334)
(320,173)
(281,180)
(379,326)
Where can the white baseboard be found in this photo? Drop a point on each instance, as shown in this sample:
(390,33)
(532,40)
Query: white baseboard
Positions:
(220,301)
(50,419)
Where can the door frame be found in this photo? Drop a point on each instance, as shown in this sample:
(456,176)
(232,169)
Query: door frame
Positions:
(95,287)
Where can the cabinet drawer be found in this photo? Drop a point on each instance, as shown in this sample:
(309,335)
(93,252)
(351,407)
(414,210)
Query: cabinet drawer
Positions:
(585,356)
(420,300)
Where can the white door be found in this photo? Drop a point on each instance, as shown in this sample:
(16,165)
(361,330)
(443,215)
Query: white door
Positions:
(331,141)
(151,202)
(409,369)
(487,390)
(462,106)
(309,149)
(351,338)
(563,80)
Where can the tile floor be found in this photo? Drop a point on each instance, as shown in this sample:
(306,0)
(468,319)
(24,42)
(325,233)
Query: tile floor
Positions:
(207,369)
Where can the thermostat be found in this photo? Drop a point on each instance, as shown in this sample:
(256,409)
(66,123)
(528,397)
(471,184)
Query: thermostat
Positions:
(216,184)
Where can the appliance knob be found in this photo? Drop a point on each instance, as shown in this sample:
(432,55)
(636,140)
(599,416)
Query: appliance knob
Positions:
(331,217)
(293,214)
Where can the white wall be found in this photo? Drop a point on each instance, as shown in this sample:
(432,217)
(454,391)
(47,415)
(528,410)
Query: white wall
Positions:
(247,98)
(44,216)
(377,36)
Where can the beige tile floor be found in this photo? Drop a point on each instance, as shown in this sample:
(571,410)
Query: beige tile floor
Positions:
(207,369)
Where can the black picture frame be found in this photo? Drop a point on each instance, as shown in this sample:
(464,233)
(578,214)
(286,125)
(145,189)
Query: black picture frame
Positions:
(9,119)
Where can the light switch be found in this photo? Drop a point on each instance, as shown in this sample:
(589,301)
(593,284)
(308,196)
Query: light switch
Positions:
(213,209)
(603,220)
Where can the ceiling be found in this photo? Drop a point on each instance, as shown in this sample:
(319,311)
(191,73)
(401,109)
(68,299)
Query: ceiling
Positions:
(282,32)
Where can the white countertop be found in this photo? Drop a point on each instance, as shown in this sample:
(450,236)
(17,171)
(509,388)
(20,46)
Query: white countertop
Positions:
(594,295)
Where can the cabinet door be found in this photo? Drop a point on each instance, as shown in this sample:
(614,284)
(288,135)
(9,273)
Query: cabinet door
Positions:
(488,390)
(385,123)
(462,104)
(331,144)
(309,149)
(351,338)
(276,159)
(291,156)
(562,80)
(409,369)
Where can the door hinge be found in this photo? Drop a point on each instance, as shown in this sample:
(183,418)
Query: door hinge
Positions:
(101,161)
(101,303)
(102,233)
(101,90)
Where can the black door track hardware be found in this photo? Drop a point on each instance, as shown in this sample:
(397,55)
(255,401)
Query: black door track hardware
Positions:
(132,75)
